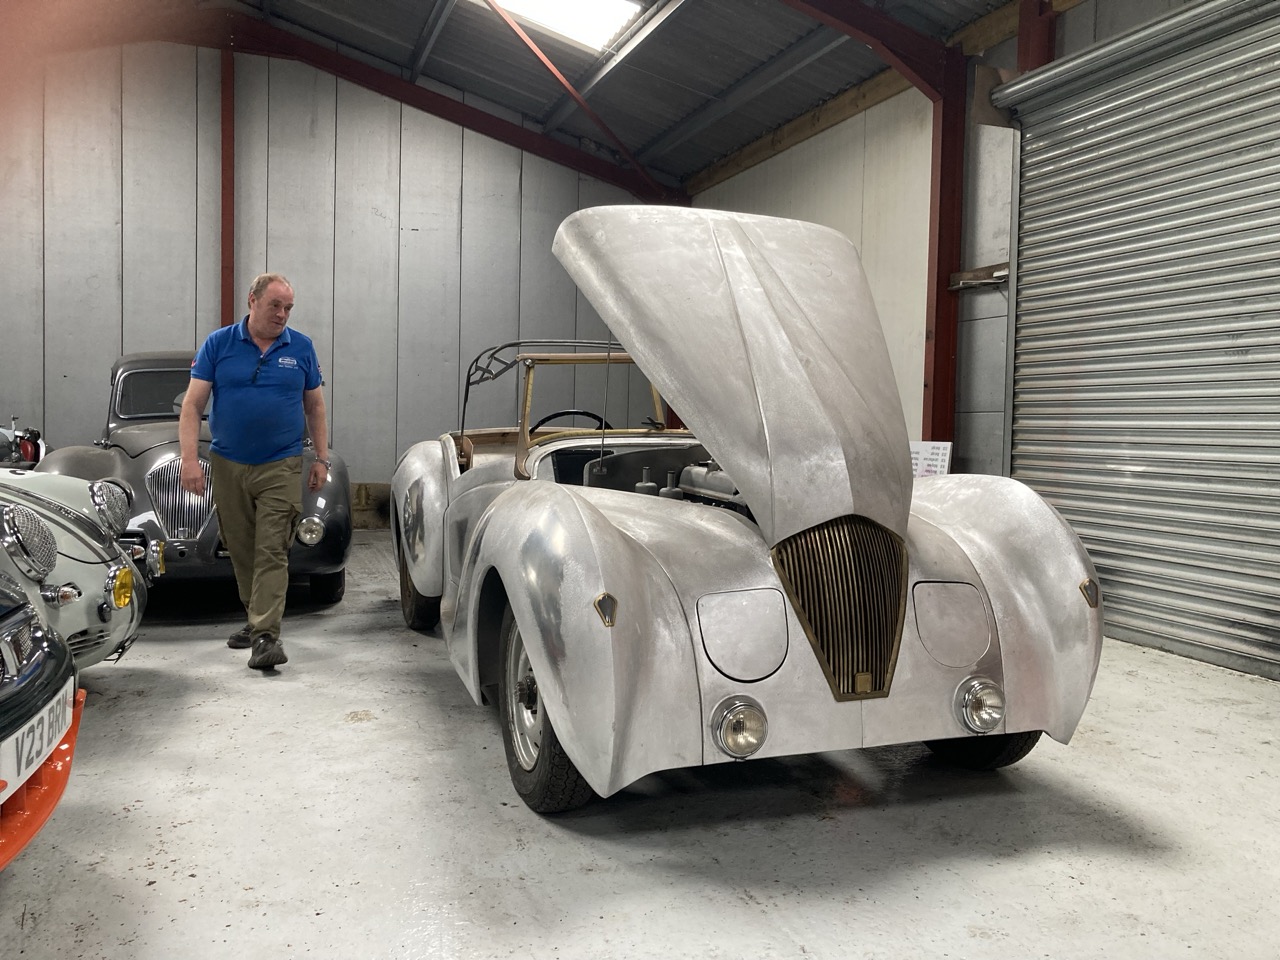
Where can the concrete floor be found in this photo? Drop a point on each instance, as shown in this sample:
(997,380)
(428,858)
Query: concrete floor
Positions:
(356,804)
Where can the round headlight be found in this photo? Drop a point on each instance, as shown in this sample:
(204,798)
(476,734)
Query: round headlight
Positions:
(28,540)
(119,587)
(311,530)
(980,704)
(739,727)
(112,504)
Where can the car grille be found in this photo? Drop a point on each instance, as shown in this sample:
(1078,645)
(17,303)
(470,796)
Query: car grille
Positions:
(847,581)
(181,514)
(18,641)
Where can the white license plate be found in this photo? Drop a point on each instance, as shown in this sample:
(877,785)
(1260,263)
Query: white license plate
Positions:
(23,752)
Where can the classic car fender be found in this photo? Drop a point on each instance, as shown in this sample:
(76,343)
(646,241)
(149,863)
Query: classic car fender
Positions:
(419,496)
(1034,570)
(90,463)
(623,699)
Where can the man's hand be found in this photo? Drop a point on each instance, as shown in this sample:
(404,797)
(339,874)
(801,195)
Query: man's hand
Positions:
(315,480)
(192,477)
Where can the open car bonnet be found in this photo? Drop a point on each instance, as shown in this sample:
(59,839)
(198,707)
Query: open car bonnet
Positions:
(762,335)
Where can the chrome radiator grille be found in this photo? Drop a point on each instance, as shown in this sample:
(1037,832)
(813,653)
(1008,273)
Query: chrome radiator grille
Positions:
(847,580)
(181,514)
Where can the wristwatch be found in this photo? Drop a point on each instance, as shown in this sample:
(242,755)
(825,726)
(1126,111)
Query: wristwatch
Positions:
(327,463)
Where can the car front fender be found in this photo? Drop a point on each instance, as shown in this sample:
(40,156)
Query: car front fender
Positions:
(89,463)
(1034,570)
(623,698)
(419,496)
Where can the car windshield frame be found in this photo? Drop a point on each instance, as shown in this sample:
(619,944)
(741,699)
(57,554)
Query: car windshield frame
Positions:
(527,356)
(117,413)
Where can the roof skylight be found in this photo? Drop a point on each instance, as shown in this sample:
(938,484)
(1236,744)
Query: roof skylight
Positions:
(591,23)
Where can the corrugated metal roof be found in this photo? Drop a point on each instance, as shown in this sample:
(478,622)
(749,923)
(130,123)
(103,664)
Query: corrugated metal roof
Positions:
(711,78)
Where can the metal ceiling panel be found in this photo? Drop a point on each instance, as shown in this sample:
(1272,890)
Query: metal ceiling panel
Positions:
(691,91)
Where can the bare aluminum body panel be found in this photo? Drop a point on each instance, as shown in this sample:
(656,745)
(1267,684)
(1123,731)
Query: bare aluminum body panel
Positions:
(993,585)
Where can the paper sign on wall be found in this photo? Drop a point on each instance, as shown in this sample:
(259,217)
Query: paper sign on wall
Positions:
(930,458)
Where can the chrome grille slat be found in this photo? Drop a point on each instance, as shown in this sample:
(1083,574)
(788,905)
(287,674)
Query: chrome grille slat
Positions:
(847,581)
(181,514)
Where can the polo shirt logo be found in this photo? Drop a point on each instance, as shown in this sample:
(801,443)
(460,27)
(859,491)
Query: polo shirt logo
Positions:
(288,362)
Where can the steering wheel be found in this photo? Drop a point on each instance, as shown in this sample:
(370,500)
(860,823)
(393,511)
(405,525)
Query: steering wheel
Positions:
(601,421)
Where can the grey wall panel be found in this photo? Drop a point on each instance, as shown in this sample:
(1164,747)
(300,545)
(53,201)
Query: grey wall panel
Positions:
(365,294)
(429,282)
(490,292)
(158,197)
(252,100)
(22,250)
(1075,29)
(548,194)
(980,362)
(208,237)
(300,189)
(81,240)
(979,443)
(1146,373)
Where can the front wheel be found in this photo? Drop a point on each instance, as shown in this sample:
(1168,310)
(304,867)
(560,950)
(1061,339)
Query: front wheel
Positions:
(419,612)
(989,752)
(328,587)
(541,771)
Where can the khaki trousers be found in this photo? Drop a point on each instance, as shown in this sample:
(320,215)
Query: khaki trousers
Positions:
(258,506)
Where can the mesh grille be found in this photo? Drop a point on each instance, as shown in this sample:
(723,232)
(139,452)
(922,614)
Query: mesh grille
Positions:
(182,514)
(34,539)
(18,642)
(847,580)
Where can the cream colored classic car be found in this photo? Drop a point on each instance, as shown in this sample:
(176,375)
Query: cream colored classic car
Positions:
(768,581)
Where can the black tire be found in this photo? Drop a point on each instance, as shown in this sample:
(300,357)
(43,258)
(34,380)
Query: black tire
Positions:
(328,587)
(541,771)
(419,612)
(988,752)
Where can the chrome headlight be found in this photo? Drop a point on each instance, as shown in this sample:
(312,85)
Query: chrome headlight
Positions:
(310,530)
(28,540)
(119,586)
(112,504)
(980,704)
(739,726)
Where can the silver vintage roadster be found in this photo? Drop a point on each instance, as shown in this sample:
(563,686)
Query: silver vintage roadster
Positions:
(139,451)
(769,581)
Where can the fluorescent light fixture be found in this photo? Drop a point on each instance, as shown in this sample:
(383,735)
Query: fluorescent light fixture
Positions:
(591,23)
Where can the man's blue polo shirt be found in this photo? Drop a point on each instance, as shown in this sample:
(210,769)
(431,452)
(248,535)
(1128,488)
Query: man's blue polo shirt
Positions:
(257,413)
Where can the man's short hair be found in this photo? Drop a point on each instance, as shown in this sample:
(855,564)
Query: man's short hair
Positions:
(264,280)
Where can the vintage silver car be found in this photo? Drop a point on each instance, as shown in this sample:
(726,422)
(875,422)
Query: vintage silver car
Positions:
(139,450)
(768,582)
(95,590)
(40,707)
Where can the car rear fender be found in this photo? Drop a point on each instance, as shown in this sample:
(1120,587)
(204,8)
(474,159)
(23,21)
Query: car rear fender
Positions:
(1035,571)
(623,699)
(419,496)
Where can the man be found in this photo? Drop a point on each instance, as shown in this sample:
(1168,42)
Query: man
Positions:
(266,384)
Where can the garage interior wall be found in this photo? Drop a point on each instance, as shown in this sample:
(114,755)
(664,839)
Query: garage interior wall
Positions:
(1146,387)
(867,177)
(412,243)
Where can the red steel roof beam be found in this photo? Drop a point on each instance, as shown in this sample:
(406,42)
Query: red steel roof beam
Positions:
(1036,34)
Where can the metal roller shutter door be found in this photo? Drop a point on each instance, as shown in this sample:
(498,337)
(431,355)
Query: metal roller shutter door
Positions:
(1146,350)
